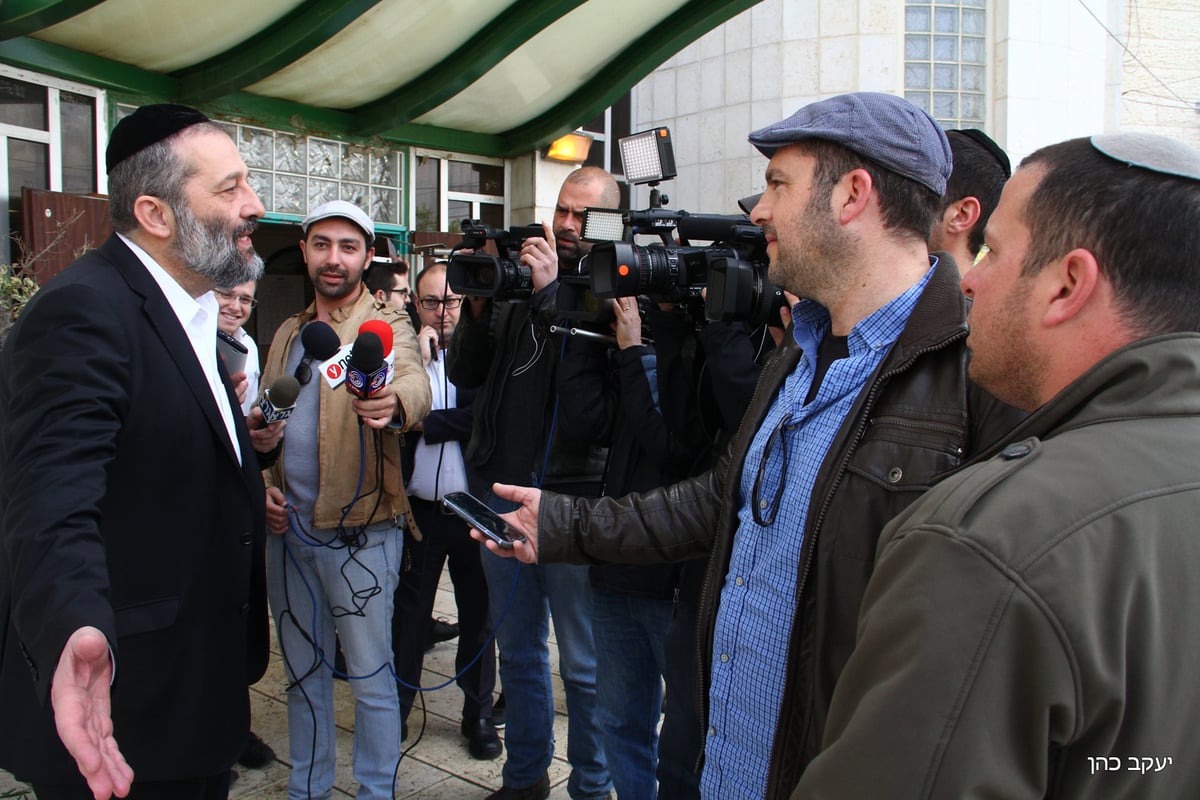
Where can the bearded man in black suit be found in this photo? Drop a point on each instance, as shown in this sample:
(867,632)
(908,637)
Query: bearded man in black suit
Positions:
(132,522)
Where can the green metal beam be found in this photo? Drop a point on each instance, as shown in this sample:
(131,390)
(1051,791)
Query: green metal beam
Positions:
(635,62)
(285,115)
(305,28)
(23,17)
(494,42)
(86,68)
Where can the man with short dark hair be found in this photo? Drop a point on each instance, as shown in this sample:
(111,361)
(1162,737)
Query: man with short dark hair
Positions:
(1029,631)
(506,350)
(132,589)
(863,406)
(387,281)
(336,504)
(972,192)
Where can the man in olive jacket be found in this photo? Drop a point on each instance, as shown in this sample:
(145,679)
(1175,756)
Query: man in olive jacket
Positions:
(1030,629)
(862,408)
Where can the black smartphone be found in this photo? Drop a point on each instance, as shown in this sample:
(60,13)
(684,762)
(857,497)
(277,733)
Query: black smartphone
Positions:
(478,516)
(232,351)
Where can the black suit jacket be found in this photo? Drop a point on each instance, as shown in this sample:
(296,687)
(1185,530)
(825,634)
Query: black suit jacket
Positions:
(123,506)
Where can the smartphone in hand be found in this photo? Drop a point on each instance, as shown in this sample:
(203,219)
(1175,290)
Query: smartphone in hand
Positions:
(472,510)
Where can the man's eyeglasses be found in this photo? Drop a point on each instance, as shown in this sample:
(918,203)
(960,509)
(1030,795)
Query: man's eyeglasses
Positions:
(764,512)
(244,299)
(401,292)
(432,303)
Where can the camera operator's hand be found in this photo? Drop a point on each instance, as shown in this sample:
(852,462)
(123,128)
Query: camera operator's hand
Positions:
(785,318)
(541,256)
(628,324)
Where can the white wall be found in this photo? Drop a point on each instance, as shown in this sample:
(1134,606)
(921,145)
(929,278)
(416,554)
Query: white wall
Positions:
(1055,74)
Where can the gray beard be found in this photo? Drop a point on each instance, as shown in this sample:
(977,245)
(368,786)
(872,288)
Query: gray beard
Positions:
(210,249)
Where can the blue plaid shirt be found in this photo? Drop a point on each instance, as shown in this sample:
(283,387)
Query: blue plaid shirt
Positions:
(758,598)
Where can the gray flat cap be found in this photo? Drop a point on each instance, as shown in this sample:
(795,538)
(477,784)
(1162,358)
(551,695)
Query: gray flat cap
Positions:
(887,129)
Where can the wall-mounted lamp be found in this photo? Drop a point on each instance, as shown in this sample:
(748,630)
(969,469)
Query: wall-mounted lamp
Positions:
(572,148)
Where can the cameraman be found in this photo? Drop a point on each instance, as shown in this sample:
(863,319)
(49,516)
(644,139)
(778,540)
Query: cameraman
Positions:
(506,350)
(634,398)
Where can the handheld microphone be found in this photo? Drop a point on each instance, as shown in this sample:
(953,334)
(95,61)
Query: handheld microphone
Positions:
(380,329)
(367,371)
(279,401)
(319,340)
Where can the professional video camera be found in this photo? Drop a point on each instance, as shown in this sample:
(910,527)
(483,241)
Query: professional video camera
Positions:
(731,272)
(479,274)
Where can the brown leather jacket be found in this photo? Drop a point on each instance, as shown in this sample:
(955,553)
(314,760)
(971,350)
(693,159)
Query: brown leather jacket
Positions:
(339,452)
(918,418)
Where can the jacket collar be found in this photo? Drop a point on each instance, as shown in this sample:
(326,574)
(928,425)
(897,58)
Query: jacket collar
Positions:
(1156,376)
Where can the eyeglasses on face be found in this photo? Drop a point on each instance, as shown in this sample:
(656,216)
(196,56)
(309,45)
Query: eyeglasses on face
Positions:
(244,299)
(401,292)
(432,303)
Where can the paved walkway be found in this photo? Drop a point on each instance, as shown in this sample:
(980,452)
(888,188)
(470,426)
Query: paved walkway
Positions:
(436,765)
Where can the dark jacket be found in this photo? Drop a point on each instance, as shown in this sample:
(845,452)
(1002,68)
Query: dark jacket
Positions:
(918,418)
(511,356)
(123,507)
(606,398)
(1045,602)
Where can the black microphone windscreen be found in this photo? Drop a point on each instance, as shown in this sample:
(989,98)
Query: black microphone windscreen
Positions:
(319,340)
(367,353)
(284,391)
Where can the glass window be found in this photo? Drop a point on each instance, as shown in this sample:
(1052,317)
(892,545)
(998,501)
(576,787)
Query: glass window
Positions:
(973,79)
(916,76)
(945,76)
(916,47)
(945,48)
(945,20)
(945,105)
(917,18)
(78,113)
(973,21)
(427,194)
(457,211)
(28,165)
(23,104)
(940,70)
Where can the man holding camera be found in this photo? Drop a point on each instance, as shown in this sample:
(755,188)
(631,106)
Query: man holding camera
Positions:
(864,405)
(506,349)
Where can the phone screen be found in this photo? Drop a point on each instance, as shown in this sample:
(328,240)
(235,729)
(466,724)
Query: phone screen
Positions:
(482,518)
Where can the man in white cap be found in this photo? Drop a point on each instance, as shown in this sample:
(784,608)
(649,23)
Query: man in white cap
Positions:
(867,403)
(1030,629)
(337,506)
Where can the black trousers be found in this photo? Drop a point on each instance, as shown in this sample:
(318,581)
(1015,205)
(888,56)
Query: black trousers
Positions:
(215,787)
(443,536)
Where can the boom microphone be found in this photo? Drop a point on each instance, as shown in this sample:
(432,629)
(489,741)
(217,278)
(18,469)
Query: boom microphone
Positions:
(279,401)
(319,340)
(367,372)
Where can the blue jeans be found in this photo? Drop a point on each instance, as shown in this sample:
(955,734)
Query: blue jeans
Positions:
(313,590)
(630,633)
(542,590)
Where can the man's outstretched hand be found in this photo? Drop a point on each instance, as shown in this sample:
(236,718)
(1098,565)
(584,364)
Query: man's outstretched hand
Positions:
(523,520)
(81,699)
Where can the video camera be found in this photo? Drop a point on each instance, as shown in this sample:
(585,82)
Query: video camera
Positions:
(479,274)
(731,272)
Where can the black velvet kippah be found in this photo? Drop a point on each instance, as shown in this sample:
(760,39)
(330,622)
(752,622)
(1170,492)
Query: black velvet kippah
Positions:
(146,126)
(983,140)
